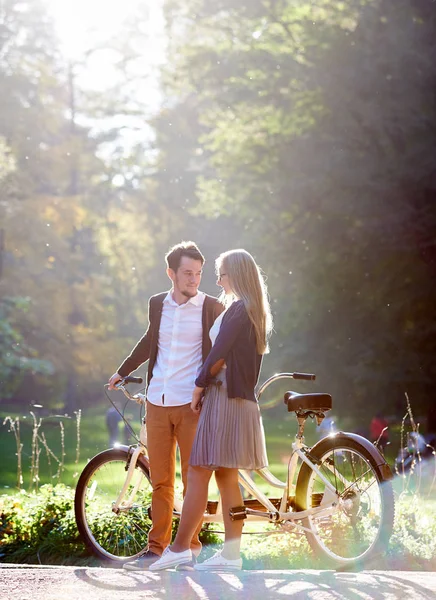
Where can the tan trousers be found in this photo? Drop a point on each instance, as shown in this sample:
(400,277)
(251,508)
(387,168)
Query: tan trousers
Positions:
(166,427)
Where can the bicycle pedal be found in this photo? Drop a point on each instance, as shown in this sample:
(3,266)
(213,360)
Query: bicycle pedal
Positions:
(238,513)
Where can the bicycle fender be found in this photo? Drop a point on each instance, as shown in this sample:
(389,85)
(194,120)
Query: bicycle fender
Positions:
(141,458)
(382,466)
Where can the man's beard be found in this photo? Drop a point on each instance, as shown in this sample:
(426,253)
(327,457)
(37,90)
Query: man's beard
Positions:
(188,293)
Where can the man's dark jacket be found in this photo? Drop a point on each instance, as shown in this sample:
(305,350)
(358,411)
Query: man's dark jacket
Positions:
(147,347)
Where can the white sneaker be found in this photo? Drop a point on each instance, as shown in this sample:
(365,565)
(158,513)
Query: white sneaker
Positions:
(171,559)
(217,562)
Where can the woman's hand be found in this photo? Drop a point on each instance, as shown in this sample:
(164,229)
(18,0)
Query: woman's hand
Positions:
(197,397)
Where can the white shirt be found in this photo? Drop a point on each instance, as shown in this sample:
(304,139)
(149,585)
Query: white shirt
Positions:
(215,329)
(179,355)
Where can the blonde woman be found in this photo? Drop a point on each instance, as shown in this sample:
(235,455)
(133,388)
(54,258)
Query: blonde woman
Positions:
(230,433)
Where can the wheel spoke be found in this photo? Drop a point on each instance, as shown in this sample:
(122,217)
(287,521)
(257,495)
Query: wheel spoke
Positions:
(354,529)
(357,480)
(342,534)
(114,536)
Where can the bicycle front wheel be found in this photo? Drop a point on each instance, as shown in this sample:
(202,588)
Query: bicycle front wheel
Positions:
(360,523)
(113,536)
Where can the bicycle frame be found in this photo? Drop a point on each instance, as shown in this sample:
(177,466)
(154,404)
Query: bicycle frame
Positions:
(271,512)
(336,492)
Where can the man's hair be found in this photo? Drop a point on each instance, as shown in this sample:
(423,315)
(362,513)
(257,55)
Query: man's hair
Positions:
(175,254)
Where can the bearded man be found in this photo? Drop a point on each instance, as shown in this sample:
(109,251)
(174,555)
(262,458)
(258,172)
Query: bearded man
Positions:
(175,344)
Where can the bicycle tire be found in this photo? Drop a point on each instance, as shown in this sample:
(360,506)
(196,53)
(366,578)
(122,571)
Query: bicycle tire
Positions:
(361,524)
(109,536)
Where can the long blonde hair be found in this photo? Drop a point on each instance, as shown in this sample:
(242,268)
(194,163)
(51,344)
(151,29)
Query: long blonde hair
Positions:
(248,284)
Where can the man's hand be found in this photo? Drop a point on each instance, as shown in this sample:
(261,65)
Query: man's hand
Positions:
(197,397)
(114,380)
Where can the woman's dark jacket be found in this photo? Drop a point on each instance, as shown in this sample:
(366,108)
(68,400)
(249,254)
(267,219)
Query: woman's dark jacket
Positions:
(236,346)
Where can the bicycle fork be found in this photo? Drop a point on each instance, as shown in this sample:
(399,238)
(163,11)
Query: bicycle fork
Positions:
(121,504)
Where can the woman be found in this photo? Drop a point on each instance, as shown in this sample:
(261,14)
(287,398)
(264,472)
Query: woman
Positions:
(230,433)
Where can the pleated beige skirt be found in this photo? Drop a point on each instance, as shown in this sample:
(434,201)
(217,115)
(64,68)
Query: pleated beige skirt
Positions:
(229,433)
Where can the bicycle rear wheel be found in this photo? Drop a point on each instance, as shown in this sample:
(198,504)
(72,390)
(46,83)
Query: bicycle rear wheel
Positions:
(116,537)
(361,523)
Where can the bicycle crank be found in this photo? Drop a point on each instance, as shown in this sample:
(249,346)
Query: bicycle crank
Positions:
(238,513)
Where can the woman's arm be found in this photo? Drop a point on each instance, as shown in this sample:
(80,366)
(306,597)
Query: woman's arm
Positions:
(197,397)
(233,322)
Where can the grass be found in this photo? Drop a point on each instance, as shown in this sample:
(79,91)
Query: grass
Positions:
(280,429)
(61,435)
(94,439)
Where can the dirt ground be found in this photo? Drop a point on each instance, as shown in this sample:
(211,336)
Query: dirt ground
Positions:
(21,582)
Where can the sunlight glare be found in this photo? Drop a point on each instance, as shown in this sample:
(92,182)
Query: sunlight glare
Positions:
(88,32)
(92,490)
(74,19)
(87,25)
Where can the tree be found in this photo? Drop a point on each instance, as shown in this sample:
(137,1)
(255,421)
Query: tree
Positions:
(319,135)
(17,358)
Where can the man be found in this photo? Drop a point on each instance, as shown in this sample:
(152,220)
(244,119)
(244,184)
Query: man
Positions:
(176,344)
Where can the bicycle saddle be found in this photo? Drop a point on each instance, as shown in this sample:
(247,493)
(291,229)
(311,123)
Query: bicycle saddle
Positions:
(307,402)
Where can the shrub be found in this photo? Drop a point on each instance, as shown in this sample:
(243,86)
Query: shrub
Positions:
(413,543)
(39,527)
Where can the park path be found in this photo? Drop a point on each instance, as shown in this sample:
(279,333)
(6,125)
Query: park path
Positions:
(21,582)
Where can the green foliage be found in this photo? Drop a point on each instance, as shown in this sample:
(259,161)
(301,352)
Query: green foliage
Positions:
(40,527)
(17,358)
(318,131)
(302,131)
(66,231)
(413,542)
(277,551)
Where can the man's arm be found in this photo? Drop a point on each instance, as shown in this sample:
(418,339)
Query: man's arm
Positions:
(139,354)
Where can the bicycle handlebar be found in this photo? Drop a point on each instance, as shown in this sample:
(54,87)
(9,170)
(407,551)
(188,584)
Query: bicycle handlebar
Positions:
(132,379)
(306,376)
(141,398)
(277,376)
(138,398)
